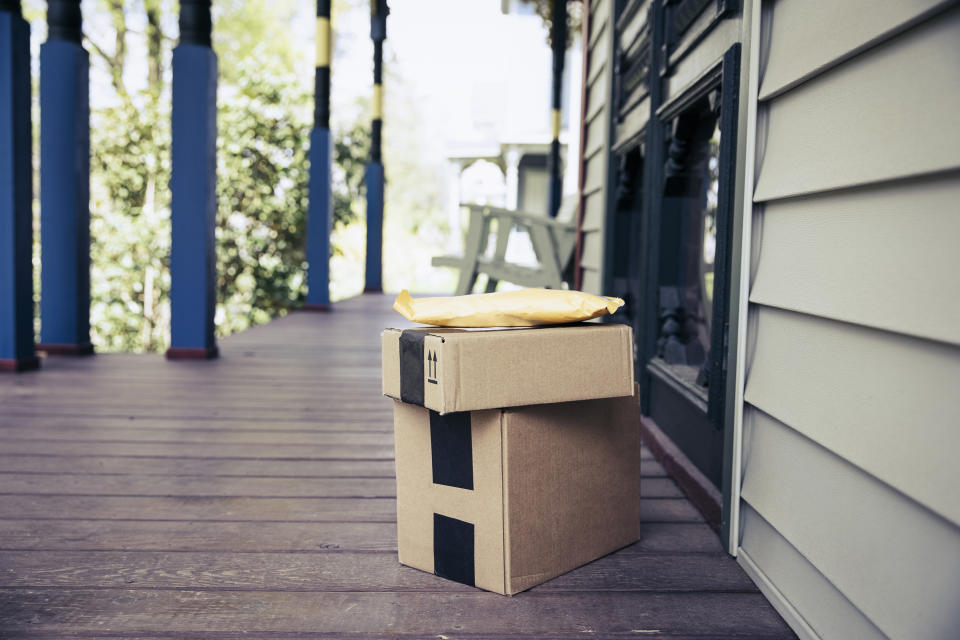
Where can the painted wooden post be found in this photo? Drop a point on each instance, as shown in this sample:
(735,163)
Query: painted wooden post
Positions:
(16,216)
(319,213)
(374,175)
(193,263)
(64,184)
(558,42)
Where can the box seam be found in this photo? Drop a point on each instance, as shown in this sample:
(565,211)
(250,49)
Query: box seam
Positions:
(503,501)
(457,387)
(442,379)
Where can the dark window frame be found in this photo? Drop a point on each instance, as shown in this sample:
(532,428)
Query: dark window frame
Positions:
(626,268)
(725,77)
(687,22)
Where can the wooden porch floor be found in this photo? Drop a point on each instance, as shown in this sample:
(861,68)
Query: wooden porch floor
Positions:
(253,497)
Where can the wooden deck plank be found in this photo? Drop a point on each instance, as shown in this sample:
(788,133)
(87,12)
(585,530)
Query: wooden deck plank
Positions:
(391,614)
(276,425)
(306,635)
(257,508)
(66,484)
(176,536)
(19,474)
(291,451)
(187,436)
(221,467)
(449,635)
(215,508)
(284,537)
(165,466)
(252,496)
(348,571)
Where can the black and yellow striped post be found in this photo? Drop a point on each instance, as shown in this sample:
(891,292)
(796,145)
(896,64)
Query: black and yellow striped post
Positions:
(374,171)
(320,208)
(558,42)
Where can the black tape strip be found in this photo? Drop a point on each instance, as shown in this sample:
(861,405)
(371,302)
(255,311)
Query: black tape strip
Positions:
(411,367)
(451,449)
(453,549)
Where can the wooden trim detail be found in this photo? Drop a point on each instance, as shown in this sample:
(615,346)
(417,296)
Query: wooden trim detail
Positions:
(691,480)
(19,364)
(192,353)
(56,349)
(776,598)
(581,174)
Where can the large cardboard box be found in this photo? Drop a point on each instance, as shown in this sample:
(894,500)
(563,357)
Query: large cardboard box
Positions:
(506,499)
(450,370)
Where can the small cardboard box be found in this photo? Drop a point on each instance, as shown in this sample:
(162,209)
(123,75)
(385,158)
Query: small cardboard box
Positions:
(450,370)
(506,499)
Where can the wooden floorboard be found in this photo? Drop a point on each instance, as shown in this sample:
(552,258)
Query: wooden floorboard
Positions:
(253,497)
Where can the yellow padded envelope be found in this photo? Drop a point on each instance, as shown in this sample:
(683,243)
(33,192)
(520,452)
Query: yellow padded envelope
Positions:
(523,308)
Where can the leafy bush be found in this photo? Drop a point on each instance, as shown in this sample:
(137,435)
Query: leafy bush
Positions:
(264,120)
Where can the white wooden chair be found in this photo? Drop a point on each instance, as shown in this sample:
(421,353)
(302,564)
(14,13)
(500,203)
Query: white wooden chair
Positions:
(553,240)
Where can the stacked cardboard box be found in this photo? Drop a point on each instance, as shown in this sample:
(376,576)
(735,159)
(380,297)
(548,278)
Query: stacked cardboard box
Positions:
(518,452)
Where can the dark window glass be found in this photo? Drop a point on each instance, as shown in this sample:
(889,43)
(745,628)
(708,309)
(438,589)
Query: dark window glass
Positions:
(688,241)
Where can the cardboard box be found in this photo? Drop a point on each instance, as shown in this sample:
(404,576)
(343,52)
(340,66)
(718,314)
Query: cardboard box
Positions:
(450,370)
(506,499)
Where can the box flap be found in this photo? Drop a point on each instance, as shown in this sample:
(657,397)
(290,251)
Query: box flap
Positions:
(571,486)
(435,508)
(451,370)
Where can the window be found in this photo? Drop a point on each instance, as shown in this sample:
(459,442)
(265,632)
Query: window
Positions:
(689,241)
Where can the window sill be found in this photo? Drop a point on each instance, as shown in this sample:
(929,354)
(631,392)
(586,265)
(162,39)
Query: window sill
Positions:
(681,379)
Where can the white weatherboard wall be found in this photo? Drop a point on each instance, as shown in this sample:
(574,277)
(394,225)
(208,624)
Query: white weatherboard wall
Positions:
(850,490)
(598,58)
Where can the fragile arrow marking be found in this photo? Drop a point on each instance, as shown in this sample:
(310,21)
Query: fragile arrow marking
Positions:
(432,367)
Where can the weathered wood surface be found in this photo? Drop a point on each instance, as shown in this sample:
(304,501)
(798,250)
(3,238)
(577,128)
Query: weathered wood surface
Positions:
(253,497)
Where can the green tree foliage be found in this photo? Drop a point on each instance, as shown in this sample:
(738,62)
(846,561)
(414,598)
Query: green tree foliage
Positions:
(351,148)
(262,193)
(130,228)
(264,121)
(130,174)
(262,196)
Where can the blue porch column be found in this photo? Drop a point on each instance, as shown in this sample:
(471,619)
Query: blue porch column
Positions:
(374,175)
(16,217)
(319,213)
(193,266)
(64,184)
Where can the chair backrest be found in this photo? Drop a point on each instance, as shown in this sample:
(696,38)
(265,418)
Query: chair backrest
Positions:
(567,242)
(568,208)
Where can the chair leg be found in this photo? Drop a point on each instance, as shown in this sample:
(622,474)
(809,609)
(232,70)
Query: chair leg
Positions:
(468,278)
(491,285)
(544,247)
(474,246)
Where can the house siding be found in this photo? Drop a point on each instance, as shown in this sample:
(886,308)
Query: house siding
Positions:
(826,611)
(849,513)
(596,163)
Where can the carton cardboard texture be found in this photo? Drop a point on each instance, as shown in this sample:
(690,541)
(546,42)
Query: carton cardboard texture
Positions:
(452,370)
(505,499)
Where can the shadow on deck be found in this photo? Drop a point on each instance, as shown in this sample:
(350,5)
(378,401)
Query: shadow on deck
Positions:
(253,496)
